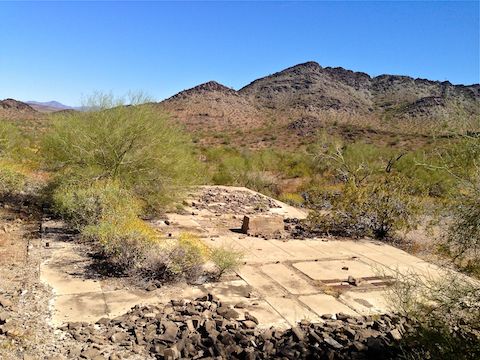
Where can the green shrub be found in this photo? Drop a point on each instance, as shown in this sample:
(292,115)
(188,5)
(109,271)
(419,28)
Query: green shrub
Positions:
(125,241)
(135,145)
(12,180)
(462,237)
(445,313)
(354,163)
(12,174)
(187,256)
(292,199)
(226,259)
(377,209)
(11,140)
(83,204)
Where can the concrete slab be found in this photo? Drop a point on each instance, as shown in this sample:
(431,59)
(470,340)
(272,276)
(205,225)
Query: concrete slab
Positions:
(328,270)
(323,304)
(281,282)
(80,307)
(299,250)
(262,285)
(331,249)
(290,280)
(57,276)
(267,315)
(225,290)
(263,250)
(366,303)
(291,310)
(120,301)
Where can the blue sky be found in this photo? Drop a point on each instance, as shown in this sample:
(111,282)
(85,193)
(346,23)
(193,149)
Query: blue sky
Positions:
(61,50)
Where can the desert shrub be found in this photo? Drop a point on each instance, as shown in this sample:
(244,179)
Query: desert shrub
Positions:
(107,214)
(135,145)
(459,161)
(374,199)
(445,313)
(12,180)
(230,167)
(188,256)
(11,140)
(83,204)
(353,163)
(258,170)
(464,230)
(226,259)
(462,238)
(12,175)
(378,209)
(125,241)
(292,199)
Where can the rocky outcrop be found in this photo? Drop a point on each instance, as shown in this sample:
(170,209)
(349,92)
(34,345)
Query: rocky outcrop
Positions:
(208,87)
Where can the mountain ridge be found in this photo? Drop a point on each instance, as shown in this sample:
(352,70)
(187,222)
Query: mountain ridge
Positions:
(308,90)
(48,106)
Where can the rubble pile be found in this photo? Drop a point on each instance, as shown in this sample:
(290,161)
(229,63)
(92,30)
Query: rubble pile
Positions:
(205,328)
(221,201)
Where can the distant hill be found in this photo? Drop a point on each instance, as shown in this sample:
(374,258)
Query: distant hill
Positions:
(12,109)
(310,91)
(48,106)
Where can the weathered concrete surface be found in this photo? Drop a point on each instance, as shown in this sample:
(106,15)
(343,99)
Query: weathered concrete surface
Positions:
(281,283)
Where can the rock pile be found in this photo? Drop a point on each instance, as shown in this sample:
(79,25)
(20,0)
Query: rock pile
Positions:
(297,229)
(205,328)
(221,201)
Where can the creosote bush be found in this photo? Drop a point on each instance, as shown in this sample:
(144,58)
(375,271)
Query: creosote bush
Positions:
(126,242)
(107,214)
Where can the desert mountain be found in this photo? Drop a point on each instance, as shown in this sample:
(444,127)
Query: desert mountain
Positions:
(48,106)
(311,91)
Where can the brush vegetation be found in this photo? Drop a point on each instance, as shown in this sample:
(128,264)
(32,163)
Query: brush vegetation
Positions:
(13,174)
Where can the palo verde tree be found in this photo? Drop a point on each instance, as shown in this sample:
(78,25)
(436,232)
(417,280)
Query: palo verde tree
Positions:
(133,144)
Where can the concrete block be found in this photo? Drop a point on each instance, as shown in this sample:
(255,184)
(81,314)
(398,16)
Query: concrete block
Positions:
(263,225)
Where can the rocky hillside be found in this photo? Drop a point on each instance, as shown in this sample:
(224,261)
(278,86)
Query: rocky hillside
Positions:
(310,90)
(213,106)
(11,109)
